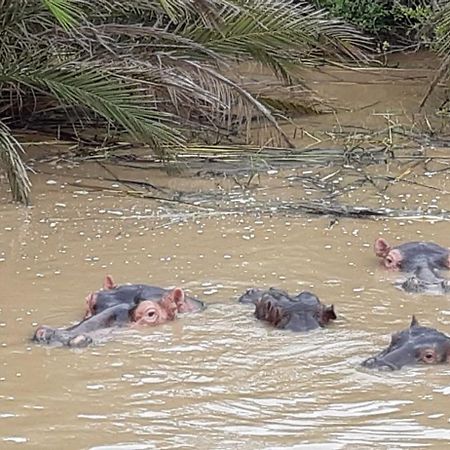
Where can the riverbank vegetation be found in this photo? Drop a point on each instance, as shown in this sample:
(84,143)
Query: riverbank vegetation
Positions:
(163,71)
(401,22)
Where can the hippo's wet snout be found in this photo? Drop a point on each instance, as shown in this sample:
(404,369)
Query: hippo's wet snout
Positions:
(43,334)
(377,363)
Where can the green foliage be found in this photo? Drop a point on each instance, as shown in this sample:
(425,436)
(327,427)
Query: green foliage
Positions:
(400,20)
(442,24)
(368,15)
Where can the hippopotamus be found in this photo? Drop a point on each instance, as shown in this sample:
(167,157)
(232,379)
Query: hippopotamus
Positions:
(416,344)
(132,294)
(422,261)
(302,312)
(119,306)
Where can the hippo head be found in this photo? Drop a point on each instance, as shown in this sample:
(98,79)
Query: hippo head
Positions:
(301,313)
(392,257)
(151,312)
(416,344)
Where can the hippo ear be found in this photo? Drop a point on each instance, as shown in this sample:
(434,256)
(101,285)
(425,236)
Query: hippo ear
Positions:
(171,302)
(329,313)
(326,314)
(381,247)
(177,297)
(108,283)
(90,305)
(448,354)
(414,322)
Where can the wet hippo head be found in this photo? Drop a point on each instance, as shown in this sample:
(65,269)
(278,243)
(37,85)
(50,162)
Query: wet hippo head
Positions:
(414,345)
(132,294)
(252,295)
(391,257)
(422,260)
(409,256)
(304,312)
(151,312)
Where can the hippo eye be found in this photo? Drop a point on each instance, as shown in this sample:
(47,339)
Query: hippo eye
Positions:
(428,356)
(151,313)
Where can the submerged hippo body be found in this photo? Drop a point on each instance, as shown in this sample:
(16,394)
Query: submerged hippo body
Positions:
(414,345)
(422,261)
(133,294)
(302,312)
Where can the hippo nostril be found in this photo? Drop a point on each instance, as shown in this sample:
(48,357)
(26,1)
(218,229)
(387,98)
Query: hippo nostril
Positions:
(389,262)
(80,341)
(42,334)
(369,362)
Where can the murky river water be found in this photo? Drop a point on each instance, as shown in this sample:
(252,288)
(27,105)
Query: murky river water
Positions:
(218,379)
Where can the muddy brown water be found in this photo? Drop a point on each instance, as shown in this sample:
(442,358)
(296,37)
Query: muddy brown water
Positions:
(219,379)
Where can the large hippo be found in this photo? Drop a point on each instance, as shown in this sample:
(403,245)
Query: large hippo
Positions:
(416,344)
(119,306)
(132,294)
(302,312)
(422,261)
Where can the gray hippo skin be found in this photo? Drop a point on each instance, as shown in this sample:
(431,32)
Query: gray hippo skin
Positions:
(132,294)
(303,312)
(421,261)
(414,345)
(81,334)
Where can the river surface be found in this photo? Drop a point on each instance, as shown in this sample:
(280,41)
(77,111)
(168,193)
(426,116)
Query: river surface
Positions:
(218,379)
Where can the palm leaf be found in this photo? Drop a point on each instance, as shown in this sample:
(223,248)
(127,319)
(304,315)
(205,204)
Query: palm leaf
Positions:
(276,32)
(10,159)
(159,69)
(441,22)
(66,12)
(118,101)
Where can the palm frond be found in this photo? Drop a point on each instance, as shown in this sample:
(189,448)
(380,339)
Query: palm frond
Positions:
(66,12)
(10,159)
(160,70)
(118,101)
(277,33)
(441,22)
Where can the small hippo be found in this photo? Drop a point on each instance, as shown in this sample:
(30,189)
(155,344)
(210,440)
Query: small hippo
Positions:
(303,312)
(414,345)
(422,261)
